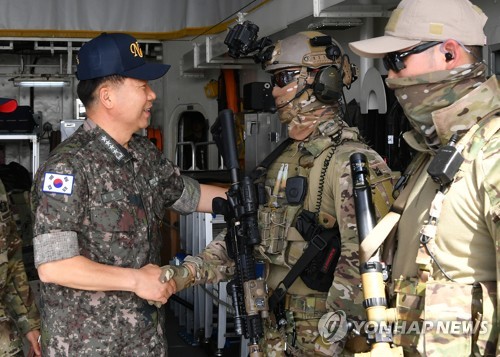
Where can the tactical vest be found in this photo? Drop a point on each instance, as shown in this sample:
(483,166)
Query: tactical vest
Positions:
(287,227)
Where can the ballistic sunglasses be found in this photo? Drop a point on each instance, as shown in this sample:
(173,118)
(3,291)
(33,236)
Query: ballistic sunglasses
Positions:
(394,60)
(282,78)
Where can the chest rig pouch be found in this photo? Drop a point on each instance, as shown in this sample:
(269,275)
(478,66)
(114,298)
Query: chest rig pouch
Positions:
(277,214)
(323,251)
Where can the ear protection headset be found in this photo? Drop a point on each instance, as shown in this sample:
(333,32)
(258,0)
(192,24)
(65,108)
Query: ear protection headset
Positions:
(329,81)
(327,85)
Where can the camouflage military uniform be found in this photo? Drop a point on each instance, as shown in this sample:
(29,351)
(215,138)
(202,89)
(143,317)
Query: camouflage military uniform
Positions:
(18,312)
(325,163)
(110,211)
(466,241)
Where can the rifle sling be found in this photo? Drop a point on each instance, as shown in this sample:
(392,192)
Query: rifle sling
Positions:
(385,228)
(261,168)
(316,245)
(313,249)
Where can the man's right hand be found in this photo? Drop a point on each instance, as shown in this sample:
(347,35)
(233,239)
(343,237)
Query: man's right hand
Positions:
(33,338)
(150,288)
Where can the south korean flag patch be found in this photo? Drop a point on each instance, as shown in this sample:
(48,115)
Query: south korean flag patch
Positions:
(58,183)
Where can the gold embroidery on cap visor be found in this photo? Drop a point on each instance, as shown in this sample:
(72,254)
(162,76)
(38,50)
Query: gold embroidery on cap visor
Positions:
(135,49)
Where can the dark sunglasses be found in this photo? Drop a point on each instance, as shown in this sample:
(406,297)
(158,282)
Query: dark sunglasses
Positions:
(282,78)
(394,60)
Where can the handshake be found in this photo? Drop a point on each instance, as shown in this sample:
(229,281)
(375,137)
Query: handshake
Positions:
(181,275)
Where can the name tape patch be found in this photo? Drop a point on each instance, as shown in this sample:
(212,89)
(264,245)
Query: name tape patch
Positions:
(58,183)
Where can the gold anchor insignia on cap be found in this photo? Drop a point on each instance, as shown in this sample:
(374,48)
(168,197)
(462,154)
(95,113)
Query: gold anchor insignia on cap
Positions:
(135,49)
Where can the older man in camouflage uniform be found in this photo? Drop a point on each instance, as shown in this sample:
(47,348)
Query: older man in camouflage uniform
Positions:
(446,268)
(319,153)
(98,202)
(18,313)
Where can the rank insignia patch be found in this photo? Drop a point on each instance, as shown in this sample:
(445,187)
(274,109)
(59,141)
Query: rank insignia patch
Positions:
(58,183)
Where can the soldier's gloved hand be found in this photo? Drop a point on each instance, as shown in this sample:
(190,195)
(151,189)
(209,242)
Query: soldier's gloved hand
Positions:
(155,303)
(180,274)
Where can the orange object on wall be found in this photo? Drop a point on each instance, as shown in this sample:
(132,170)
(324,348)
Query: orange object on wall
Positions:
(233,103)
(156,137)
(231,90)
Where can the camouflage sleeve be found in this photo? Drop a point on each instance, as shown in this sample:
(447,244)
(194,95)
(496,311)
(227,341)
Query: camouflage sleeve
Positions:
(18,295)
(345,293)
(490,167)
(57,216)
(213,263)
(345,297)
(182,193)
(49,247)
(190,197)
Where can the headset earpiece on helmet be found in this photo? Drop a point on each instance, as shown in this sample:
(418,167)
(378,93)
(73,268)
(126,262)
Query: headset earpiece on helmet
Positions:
(333,51)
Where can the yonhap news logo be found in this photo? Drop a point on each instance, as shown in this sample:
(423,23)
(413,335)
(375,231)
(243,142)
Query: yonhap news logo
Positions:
(334,326)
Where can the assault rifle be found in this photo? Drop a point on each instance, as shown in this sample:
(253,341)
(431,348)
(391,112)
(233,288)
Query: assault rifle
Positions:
(248,293)
(372,271)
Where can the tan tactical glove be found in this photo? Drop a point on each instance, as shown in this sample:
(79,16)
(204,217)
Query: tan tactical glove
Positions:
(181,274)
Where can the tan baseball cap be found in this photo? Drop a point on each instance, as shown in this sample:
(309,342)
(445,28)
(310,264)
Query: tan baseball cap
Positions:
(416,21)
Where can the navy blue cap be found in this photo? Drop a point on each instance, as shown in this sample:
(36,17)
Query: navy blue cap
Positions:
(116,53)
(7,105)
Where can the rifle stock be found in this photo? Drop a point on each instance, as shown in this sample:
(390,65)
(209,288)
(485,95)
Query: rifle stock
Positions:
(379,317)
(248,293)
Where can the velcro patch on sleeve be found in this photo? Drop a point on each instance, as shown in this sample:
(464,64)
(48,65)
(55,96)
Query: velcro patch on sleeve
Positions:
(58,183)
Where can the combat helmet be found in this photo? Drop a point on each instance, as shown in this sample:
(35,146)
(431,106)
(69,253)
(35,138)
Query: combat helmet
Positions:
(311,49)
